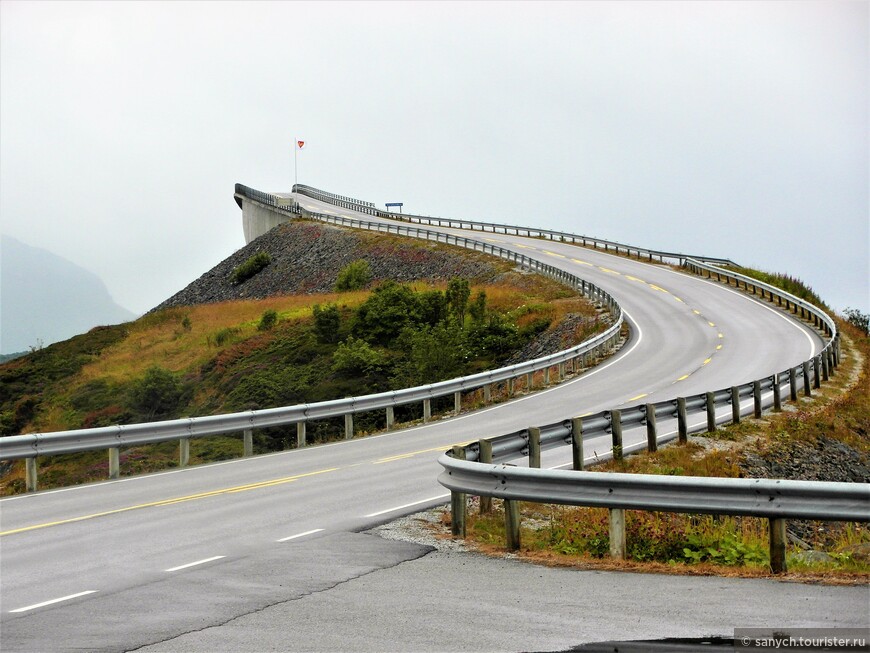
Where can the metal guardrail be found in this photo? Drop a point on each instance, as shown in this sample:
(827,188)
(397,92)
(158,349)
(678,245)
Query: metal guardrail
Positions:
(770,498)
(473,469)
(28,446)
(492,227)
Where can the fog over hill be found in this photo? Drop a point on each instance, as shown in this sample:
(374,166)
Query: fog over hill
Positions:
(45,298)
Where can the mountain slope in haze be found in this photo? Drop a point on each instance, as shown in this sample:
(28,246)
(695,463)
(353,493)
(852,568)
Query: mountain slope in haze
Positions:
(45,298)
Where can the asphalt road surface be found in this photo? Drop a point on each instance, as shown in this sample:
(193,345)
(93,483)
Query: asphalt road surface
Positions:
(269,553)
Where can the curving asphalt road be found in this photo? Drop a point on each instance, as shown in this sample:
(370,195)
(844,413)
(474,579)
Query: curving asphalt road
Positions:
(120,565)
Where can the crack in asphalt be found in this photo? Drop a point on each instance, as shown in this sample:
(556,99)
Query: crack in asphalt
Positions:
(304,595)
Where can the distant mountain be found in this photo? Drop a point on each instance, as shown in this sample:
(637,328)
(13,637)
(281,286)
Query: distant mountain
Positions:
(45,298)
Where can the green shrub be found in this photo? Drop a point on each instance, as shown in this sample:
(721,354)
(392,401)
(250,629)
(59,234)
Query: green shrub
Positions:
(327,321)
(156,395)
(858,319)
(355,276)
(224,335)
(268,320)
(389,309)
(356,357)
(251,267)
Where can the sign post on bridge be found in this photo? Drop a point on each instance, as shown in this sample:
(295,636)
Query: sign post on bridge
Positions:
(392,204)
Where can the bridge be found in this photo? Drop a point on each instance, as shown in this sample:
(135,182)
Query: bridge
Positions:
(178,560)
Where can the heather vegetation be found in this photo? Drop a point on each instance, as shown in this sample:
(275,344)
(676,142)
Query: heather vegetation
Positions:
(254,354)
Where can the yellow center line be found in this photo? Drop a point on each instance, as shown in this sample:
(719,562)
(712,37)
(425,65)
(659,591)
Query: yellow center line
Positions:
(169,502)
(718,347)
(655,287)
(631,278)
(553,254)
(523,246)
(679,300)
(639,397)
(706,361)
(711,324)
(577,260)
(609,270)
(683,378)
(721,335)
(402,456)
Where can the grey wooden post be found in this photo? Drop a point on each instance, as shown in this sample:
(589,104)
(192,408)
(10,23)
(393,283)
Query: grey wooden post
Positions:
(777,546)
(824,359)
(682,421)
(735,404)
(711,412)
(301,434)
(792,384)
(457,402)
(561,372)
(652,443)
(510,386)
(391,417)
(427,410)
(806,368)
(817,373)
(248,443)
(756,399)
(487,393)
(348,426)
(577,443)
(183,452)
(617,533)
(530,381)
(30,474)
(114,462)
(777,397)
(830,355)
(457,502)
(534,447)
(485,456)
(546,376)
(616,433)
(512,524)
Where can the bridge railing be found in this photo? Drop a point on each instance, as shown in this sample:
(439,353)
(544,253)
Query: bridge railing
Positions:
(29,446)
(494,227)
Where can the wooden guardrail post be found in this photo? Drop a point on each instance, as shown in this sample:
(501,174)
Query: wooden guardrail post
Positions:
(457,502)
(616,433)
(348,426)
(530,381)
(756,399)
(391,417)
(427,411)
(735,404)
(792,384)
(485,456)
(512,524)
(710,402)
(114,462)
(652,434)
(617,533)
(301,434)
(30,474)
(817,373)
(487,394)
(777,545)
(184,452)
(577,443)
(777,397)
(806,369)
(682,421)
(534,447)
(248,443)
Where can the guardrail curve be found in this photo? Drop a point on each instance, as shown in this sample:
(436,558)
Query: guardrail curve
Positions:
(29,446)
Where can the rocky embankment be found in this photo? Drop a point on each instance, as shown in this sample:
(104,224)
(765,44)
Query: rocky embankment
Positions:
(306,258)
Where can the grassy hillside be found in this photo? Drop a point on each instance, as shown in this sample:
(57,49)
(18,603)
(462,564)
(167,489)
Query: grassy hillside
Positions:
(229,356)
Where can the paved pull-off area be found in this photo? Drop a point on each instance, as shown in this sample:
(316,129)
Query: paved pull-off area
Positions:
(449,600)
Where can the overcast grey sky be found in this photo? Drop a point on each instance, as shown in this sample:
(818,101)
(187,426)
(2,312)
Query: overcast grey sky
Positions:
(736,129)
